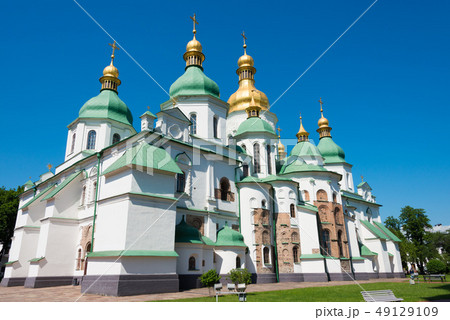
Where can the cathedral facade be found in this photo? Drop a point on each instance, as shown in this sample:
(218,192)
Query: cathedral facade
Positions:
(204,184)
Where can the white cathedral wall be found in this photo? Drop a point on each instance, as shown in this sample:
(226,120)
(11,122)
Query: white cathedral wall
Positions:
(131,265)
(115,184)
(154,181)
(309,233)
(351,236)
(67,201)
(345,170)
(185,251)
(57,244)
(226,258)
(285,195)
(313,265)
(333,265)
(23,249)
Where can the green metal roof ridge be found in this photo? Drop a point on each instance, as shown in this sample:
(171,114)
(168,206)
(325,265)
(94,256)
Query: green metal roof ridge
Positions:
(358,258)
(311,256)
(10,262)
(388,232)
(62,185)
(208,241)
(133,253)
(374,230)
(36,259)
(37,196)
(390,254)
(357,197)
(308,206)
(364,251)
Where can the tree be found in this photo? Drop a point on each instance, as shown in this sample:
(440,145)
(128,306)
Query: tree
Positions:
(9,203)
(414,223)
(392,223)
(435,266)
(240,276)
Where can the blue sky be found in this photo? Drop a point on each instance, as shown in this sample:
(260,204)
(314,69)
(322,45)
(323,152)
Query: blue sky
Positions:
(384,84)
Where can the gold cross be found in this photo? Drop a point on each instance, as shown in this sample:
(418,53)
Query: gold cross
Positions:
(49,166)
(195,22)
(113,45)
(279,129)
(148,108)
(362,178)
(245,38)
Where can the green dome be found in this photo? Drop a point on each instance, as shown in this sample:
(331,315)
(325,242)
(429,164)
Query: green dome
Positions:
(194,82)
(229,237)
(187,233)
(331,152)
(255,124)
(107,105)
(305,149)
(296,164)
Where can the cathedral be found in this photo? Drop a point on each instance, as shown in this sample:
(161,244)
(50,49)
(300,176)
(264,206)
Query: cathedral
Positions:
(202,184)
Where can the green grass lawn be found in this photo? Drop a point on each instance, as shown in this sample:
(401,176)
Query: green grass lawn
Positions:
(347,293)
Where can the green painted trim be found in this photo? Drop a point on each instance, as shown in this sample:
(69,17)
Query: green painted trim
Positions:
(132,253)
(308,207)
(390,254)
(357,197)
(342,258)
(312,256)
(374,230)
(62,185)
(325,222)
(34,227)
(388,232)
(36,259)
(11,262)
(358,258)
(331,257)
(153,195)
(37,196)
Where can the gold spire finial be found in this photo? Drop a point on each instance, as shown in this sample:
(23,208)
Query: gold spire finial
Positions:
(324,128)
(49,166)
(244,38)
(279,135)
(362,178)
(302,134)
(280,147)
(321,104)
(194,20)
(114,47)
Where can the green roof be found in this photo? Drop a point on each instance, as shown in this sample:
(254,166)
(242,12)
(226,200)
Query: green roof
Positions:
(388,232)
(331,152)
(147,156)
(312,256)
(194,82)
(208,241)
(29,183)
(10,262)
(308,206)
(62,185)
(133,253)
(305,149)
(37,196)
(107,105)
(267,179)
(148,113)
(366,251)
(374,230)
(36,259)
(390,254)
(357,197)
(255,125)
(296,164)
(187,233)
(229,237)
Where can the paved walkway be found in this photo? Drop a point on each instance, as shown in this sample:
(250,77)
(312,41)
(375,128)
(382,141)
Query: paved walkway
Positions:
(72,293)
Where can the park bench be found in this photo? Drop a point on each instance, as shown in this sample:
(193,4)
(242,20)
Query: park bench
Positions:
(380,296)
(240,291)
(430,277)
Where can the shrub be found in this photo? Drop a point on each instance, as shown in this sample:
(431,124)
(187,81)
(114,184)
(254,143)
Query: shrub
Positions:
(240,276)
(210,278)
(436,266)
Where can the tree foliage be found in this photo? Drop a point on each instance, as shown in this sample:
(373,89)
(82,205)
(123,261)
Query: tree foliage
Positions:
(9,203)
(240,276)
(210,278)
(436,266)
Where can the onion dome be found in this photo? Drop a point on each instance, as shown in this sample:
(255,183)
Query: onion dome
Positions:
(324,128)
(331,152)
(296,164)
(108,105)
(194,81)
(305,149)
(187,233)
(302,134)
(254,124)
(241,99)
(281,148)
(229,237)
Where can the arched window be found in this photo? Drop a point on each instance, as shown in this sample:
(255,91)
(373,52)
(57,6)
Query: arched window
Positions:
(191,263)
(334,197)
(265,237)
(256,159)
(244,147)
(92,135)
(341,250)
(295,253)
(116,138)
(72,148)
(181,182)
(238,262)
(292,210)
(306,195)
(369,214)
(83,196)
(193,127)
(94,190)
(266,254)
(269,161)
(294,237)
(326,242)
(224,188)
(337,219)
(263,204)
(215,127)
(322,195)
(245,169)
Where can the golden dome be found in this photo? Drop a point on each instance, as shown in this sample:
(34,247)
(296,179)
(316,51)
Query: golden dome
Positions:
(194,45)
(111,71)
(302,134)
(281,147)
(242,98)
(323,122)
(245,61)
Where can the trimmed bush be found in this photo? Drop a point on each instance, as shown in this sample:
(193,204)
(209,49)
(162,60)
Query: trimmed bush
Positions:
(435,266)
(240,276)
(210,278)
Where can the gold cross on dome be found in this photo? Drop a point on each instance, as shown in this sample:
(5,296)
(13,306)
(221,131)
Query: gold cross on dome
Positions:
(244,38)
(113,45)
(279,129)
(362,178)
(194,19)
(49,166)
(321,103)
